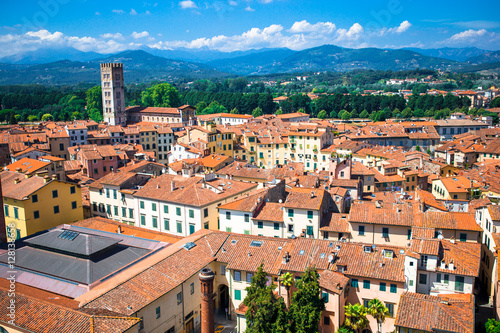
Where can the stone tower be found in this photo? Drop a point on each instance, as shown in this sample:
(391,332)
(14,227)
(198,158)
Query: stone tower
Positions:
(113,93)
(207,300)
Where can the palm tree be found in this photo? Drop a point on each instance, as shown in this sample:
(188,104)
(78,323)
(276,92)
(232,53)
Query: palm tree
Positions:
(287,281)
(378,311)
(356,316)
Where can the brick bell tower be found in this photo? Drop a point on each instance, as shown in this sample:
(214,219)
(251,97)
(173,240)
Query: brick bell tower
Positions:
(207,300)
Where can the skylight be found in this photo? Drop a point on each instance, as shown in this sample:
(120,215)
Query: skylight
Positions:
(301,252)
(68,235)
(189,245)
(256,243)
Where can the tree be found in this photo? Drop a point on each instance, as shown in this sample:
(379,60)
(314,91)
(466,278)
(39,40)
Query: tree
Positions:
(378,311)
(215,107)
(200,107)
(12,118)
(346,115)
(355,316)
(492,326)
(257,112)
(307,306)
(161,95)
(234,111)
(495,103)
(417,148)
(93,97)
(287,282)
(344,329)
(266,311)
(96,115)
(322,114)
(47,117)
(32,118)
(279,112)
(364,114)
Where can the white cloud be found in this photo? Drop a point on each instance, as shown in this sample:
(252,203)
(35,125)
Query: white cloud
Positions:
(354,31)
(405,25)
(468,35)
(148,12)
(133,12)
(112,36)
(187,4)
(118,11)
(249,9)
(306,27)
(233,3)
(97,13)
(137,35)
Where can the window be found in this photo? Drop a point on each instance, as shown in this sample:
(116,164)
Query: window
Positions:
(191,228)
(166,224)
(191,213)
(153,206)
(6,210)
(438,279)
(324,296)
(141,204)
(34,198)
(247,217)
(361,230)
(366,303)
(191,288)
(290,228)
(73,205)
(459,283)
(390,308)
(366,284)
(16,212)
(179,298)
(326,321)
(130,213)
(56,209)
(422,279)
(155,222)
(165,209)
(309,230)
(249,277)
(446,278)
(54,194)
(158,312)
(309,214)
(260,225)
(385,232)
(354,283)
(124,212)
(290,213)
(178,211)
(228,215)
(237,295)
(141,324)
(107,193)
(179,227)
(205,212)
(276,226)
(143,219)
(115,194)
(409,233)
(222,269)
(382,286)
(394,288)
(36,214)
(423,261)
(463,237)
(237,276)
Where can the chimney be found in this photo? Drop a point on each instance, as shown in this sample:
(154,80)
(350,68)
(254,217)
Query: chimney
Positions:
(451,266)
(17,181)
(207,302)
(119,231)
(46,179)
(286,257)
(172,187)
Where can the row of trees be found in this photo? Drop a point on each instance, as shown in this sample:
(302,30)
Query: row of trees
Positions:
(236,102)
(267,312)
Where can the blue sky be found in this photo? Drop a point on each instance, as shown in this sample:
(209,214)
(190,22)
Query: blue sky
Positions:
(108,26)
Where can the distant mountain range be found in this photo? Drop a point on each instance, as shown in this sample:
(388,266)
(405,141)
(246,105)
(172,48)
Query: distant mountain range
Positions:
(70,66)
